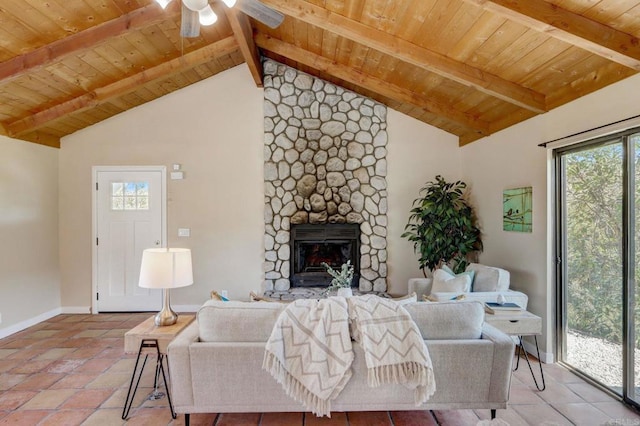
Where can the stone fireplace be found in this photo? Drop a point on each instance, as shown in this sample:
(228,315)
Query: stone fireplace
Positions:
(324,164)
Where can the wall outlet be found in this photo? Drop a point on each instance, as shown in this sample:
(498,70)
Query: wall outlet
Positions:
(224,293)
(184,232)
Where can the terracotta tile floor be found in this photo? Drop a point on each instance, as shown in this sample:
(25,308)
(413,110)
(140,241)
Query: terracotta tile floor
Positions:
(72,370)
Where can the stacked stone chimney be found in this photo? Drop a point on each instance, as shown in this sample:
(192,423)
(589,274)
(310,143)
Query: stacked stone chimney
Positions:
(324,162)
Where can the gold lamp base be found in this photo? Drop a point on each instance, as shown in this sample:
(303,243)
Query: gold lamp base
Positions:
(166,316)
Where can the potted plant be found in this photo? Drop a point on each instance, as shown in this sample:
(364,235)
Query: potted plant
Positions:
(341,279)
(442,226)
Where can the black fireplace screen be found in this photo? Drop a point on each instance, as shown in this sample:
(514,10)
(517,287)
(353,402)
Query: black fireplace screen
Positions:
(311,256)
(313,245)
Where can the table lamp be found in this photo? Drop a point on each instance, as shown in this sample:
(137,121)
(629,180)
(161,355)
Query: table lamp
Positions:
(166,268)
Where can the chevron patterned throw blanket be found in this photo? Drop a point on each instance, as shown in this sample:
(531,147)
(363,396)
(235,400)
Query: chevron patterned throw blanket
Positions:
(393,346)
(310,353)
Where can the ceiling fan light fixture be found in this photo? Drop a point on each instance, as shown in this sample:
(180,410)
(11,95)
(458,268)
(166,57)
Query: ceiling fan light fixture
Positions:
(163,3)
(229,3)
(207,16)
(196,5)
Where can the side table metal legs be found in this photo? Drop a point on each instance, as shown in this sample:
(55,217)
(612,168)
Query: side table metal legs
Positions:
(526,356)
(160,362)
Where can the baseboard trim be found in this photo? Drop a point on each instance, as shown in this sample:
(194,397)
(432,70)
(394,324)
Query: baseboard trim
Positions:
(545,357)
(76,309)
(22,325)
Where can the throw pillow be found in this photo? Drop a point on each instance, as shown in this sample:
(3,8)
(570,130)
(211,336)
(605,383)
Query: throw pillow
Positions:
(470,272)
(444,282)
(489,278)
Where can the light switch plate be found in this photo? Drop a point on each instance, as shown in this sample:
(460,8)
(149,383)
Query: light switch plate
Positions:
(184,232)
(177,175)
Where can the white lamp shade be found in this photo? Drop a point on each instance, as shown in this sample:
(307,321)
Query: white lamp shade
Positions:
(207,16)
(163,3)
(166,268)
(229,3)
(196,5)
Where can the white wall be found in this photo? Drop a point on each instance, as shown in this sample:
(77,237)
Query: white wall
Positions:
(417,153)
(512,158)
(215,130)
(29,278)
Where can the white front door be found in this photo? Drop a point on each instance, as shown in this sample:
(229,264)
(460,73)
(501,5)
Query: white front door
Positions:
(129,217)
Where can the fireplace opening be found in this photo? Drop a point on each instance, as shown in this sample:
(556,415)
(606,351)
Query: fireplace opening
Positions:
(313,245)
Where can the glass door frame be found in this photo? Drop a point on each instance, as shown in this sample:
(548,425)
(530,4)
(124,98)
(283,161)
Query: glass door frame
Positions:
(628,259)
(629,268)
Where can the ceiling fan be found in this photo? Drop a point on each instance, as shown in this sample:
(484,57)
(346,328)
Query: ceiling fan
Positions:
(199,12)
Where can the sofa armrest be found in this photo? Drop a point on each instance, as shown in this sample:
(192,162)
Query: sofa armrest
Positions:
(178,355)
(502,360)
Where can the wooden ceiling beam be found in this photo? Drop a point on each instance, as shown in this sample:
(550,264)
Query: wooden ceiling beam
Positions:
(83,40)
(119,88)
(371,83)
(42,138)
(569,27)
(412,53)
(243,33)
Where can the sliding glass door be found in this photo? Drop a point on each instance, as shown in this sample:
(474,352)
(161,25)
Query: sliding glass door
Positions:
(597,240)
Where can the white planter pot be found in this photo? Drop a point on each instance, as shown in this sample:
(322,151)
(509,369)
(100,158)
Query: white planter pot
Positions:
(345,292)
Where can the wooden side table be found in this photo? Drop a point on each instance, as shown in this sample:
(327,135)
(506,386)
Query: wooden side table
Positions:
(146,336)
(520,323)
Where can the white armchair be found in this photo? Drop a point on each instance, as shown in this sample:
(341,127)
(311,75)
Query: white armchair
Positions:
(488,283)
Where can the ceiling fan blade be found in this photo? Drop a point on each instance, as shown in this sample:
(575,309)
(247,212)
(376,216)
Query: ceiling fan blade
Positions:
(261,12)
(190,25)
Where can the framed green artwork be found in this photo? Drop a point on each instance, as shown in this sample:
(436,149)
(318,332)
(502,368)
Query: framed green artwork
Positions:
(517,209)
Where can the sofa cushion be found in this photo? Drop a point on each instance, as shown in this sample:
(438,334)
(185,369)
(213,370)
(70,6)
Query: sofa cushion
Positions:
(448,320)
(237,321)
(443,281)
(489,278)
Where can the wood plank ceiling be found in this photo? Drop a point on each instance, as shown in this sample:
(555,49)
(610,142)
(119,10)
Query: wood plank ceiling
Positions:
(469,67)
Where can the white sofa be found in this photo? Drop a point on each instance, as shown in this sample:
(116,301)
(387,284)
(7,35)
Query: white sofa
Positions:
(216,363)
(489,282)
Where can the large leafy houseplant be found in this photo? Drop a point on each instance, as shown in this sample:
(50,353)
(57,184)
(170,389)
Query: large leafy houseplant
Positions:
(442,226)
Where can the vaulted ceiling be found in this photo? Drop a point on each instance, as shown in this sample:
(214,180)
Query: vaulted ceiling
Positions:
(468,67)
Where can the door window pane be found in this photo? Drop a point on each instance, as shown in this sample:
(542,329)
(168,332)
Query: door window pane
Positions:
(129,196)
